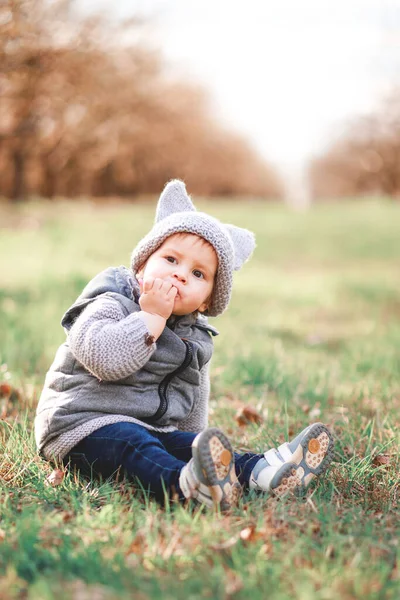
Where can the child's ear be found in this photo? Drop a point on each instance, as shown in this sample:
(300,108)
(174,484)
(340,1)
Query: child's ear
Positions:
(203,307)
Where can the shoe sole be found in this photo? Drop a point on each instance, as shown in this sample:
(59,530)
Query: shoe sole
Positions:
(214,456)
(310,459)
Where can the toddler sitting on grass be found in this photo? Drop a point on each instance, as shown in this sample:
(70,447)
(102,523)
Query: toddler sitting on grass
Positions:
(128,390)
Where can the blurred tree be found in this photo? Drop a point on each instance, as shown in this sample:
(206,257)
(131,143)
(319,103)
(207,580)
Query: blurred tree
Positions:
(366,160)
(84,113)
(21,70)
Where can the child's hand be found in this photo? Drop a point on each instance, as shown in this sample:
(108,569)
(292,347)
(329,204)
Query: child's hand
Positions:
(157,296)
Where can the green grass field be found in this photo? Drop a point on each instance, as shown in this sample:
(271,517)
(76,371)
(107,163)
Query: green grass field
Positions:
(312,333)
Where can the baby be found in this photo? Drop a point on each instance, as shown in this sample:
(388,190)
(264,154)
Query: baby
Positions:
(128,390)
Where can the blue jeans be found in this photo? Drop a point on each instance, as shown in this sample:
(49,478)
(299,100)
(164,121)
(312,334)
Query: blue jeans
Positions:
(154,459)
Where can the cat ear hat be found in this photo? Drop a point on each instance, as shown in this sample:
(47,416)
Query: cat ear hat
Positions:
(177,214)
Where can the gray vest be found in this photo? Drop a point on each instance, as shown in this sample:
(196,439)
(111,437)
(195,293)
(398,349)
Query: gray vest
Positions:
(162,393)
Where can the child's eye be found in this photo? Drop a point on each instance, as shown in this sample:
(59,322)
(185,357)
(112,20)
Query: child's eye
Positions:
(171,259)
(198,274)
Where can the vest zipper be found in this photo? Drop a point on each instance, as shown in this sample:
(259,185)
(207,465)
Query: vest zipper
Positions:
(163,385)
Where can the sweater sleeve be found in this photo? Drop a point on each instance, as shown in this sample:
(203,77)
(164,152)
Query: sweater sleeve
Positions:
(109,343)
(198,418)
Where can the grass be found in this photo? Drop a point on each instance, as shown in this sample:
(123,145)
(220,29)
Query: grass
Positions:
(313,333)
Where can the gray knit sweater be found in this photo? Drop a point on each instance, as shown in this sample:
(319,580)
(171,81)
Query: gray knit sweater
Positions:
(110,370)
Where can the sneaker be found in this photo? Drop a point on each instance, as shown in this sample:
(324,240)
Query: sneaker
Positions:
(209,477)
(292,466)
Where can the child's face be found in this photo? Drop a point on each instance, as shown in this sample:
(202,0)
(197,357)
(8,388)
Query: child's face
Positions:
(190,264)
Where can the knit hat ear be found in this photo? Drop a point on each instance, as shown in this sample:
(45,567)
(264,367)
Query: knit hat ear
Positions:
(173,199)
(243,242)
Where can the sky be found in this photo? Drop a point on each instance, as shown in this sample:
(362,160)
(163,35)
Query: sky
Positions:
(288,74)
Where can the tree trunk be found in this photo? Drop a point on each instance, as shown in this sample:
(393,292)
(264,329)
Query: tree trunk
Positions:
(18,188)
(49,183)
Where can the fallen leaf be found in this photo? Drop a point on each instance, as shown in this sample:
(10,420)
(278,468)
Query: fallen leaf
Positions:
(312,505)
(250,534)
(330,551)
(246,415)
(67,516)
(55,478)
(225,545)
(315,412)
(381,459)
(2,535)
(138,544)
(5,390)
(233,582)
(395,575)
(316,527)
(148,565)
(266,549)
(10,400)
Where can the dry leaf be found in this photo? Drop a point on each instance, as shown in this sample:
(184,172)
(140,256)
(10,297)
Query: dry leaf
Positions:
(395,575)
(246,415)
(250,534)
(233,582)
(2,535)
(138,544)
(266,549)
(10,400)
(316,527)
(312,505)
(315,412)
(247,534)
(5,390)
(330,551)
(172,546)
(381,459)
(55,478)
(148,565)
(225,545)
(67,516)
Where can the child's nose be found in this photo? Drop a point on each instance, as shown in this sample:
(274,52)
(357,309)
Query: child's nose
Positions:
(180,275)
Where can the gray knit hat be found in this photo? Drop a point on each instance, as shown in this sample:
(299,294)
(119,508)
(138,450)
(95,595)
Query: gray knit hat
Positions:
(175,214)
